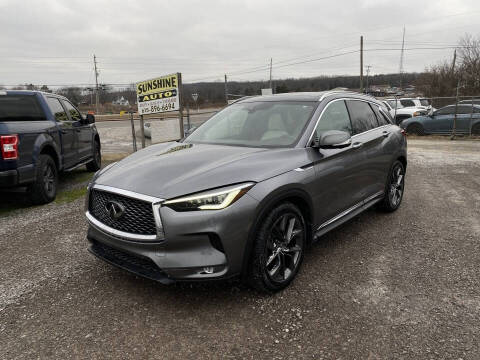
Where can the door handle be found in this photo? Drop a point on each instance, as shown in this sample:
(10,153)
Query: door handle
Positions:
(357,145)
(63,131)
(385,133)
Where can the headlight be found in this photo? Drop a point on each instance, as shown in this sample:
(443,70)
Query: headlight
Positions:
(417,113)
(210,200)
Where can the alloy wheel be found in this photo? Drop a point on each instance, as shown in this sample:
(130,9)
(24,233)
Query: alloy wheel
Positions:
(284,247)
(49,180)
(396,185)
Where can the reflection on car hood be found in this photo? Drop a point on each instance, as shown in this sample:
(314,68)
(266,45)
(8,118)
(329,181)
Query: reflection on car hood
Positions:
(174,169)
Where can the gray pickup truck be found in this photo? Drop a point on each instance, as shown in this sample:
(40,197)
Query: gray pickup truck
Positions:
(42,134)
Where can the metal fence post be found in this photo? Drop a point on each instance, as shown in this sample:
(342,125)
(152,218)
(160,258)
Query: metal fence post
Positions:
(471,119)
(188,116)
(142,131)
(134,138)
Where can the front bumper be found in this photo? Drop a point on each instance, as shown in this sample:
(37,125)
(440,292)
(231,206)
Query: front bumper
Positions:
(197,245)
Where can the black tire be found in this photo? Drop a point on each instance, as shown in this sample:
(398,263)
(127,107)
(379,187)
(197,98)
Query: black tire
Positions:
(476,129)
(44,189)
(416,129)
(96,162)
(394,188)
(278,249)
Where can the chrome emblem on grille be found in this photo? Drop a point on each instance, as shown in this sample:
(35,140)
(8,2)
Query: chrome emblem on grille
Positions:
(115,209)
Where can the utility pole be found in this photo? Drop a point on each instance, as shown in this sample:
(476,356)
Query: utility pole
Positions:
(401,59)
(271,75)
(361,64)
(96,83)
(226,90)
(453,62)
(368,72)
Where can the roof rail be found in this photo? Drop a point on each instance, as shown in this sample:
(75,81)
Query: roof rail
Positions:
(332,92)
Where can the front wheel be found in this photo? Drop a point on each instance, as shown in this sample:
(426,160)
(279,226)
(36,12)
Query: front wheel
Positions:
(278,250)
(394,187)
(96,162)
(416,129)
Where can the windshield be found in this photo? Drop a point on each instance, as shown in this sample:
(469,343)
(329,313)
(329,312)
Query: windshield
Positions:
(256,124)
(20,108)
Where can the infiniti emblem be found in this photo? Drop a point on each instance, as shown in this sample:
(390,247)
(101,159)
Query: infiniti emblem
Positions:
(115,209)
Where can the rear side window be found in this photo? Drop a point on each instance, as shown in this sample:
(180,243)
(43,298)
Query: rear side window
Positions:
(20,108)
(74,114)
(407,103)
(382,119)
(363,118)
(57,109)
(335,117)
(449,110)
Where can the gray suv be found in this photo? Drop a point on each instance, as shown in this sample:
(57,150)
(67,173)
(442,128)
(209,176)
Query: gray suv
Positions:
(249,190)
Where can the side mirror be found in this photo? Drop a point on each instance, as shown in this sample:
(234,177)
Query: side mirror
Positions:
(90,119)
(333,139)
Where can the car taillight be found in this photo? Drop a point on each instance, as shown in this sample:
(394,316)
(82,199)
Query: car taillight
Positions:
(404,133)
(9,146)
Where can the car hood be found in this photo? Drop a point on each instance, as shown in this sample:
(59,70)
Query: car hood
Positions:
(174,169)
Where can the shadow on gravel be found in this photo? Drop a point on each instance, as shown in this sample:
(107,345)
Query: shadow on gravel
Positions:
(71,186)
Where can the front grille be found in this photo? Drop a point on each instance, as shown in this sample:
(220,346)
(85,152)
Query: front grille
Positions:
(139,265)
(137,219)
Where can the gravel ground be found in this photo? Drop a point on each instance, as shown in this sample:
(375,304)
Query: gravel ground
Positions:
(403,285)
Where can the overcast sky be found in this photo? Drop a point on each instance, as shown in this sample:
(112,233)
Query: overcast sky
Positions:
(53,41)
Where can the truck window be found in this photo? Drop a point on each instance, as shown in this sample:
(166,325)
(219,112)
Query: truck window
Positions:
(57,109)
(20,108)
(74,114)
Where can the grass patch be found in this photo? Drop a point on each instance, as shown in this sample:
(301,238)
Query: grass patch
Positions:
(70,195)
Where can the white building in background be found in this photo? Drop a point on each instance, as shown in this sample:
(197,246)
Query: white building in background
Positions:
(121,101)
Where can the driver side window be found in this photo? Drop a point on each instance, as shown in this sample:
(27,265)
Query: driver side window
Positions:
(335,117)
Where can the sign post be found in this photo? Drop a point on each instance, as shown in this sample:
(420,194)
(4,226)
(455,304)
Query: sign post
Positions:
(195,98)
(160,95)
(133,132)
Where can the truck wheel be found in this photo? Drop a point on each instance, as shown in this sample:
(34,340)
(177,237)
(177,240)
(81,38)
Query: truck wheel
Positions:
(44,189)
(96,163)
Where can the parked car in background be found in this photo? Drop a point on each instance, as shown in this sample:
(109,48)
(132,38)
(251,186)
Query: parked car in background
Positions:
(474,101)
(246,192)
(420,103)
(441,121)
(401,113)
(42,134)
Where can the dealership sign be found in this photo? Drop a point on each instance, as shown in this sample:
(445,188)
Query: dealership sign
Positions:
(159,95)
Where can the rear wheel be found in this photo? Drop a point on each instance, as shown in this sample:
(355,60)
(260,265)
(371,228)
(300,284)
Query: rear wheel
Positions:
(278,249)
(44,189)
(394,187)
(416,129)
(96,162)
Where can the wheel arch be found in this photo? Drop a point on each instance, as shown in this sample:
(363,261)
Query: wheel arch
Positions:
(48,149)
(296,196)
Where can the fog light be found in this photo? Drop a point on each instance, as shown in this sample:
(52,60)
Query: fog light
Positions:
(207,270)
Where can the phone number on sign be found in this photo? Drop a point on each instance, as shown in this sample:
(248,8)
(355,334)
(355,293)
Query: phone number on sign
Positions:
(158,107)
